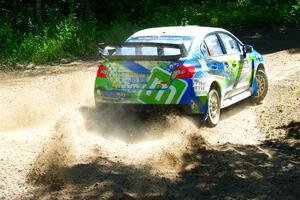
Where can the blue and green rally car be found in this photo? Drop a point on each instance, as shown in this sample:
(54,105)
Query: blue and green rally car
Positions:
(200,69)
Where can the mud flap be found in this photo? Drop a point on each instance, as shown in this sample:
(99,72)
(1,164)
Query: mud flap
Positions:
(254,88)
(200,107)
(203,117)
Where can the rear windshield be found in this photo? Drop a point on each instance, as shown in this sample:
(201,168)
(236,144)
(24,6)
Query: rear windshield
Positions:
(154,51)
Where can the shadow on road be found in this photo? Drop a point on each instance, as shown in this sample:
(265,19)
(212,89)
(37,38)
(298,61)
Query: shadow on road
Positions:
(292,129)
(267,41)
(268,171)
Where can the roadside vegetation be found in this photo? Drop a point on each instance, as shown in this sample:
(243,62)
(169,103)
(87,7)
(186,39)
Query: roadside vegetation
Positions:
(43,31)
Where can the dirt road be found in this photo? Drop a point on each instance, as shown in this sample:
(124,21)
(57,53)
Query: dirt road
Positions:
(54,144)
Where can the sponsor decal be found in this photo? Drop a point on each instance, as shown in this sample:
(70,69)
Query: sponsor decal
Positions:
(162,90)
(113,94)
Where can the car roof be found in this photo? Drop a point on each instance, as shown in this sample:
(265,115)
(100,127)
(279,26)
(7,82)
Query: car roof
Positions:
(192,31)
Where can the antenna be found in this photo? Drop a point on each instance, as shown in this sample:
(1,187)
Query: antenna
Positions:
(184,21)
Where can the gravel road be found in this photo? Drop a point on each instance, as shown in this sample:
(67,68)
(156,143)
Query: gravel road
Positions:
(55,145)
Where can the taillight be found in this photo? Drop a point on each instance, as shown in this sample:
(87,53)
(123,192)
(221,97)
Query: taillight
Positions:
(102,71)
(184,71)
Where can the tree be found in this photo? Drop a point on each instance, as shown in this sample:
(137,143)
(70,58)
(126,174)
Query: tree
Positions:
(82,9)
(38,4)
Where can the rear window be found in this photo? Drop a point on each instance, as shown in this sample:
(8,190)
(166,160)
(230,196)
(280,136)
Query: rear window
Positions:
(147,51)
(154,51)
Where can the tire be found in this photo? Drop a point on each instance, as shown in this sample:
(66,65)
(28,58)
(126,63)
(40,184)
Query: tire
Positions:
(262,86)
(214,108)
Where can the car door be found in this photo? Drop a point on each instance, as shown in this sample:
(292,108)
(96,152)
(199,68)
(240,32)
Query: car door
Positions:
(216,59)
(235,62)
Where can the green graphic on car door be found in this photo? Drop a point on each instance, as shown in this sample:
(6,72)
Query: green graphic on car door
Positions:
(164,90)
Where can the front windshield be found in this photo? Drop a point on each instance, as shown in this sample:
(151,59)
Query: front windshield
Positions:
(187,41)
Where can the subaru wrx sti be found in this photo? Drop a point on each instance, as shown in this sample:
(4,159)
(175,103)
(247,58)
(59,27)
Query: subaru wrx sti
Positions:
(200,69)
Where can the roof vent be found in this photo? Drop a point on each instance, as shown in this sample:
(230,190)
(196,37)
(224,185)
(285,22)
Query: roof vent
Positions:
(184,21)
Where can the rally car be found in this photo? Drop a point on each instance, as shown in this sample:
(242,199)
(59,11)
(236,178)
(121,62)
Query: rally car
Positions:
(201,69)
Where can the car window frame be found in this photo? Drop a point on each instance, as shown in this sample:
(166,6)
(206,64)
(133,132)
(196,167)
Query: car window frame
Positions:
(239,43)
(200,47)
(221,45)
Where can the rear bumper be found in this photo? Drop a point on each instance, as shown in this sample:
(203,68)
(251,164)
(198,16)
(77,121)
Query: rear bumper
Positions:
(181,96)
(188,103)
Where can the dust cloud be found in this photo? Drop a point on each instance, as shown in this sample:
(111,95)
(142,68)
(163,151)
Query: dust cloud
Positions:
(72,142)
(74,132)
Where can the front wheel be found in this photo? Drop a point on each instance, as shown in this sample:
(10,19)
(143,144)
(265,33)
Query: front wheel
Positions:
(214,107)
(262,86)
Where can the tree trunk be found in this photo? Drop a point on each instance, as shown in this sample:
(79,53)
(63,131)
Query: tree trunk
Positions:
(82,9)
(38,4)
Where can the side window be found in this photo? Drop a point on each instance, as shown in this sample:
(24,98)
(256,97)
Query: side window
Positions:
(213,45)
(204,49)
(231,45)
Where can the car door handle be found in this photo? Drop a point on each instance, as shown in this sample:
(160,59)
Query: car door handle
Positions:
(214,67)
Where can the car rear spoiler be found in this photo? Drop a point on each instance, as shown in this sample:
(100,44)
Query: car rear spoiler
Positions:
(105,53)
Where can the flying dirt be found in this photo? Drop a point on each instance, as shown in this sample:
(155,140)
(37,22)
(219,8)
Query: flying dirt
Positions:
(55,144)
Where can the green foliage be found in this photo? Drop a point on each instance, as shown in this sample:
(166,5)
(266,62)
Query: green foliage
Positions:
(267,136)
(241,15)
(66,39)
(295,11)
(72,28)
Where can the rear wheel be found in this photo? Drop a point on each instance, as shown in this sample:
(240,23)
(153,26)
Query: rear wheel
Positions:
(214,107)
(262,86)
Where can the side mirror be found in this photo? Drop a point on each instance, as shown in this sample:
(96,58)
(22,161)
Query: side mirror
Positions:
(247,49)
